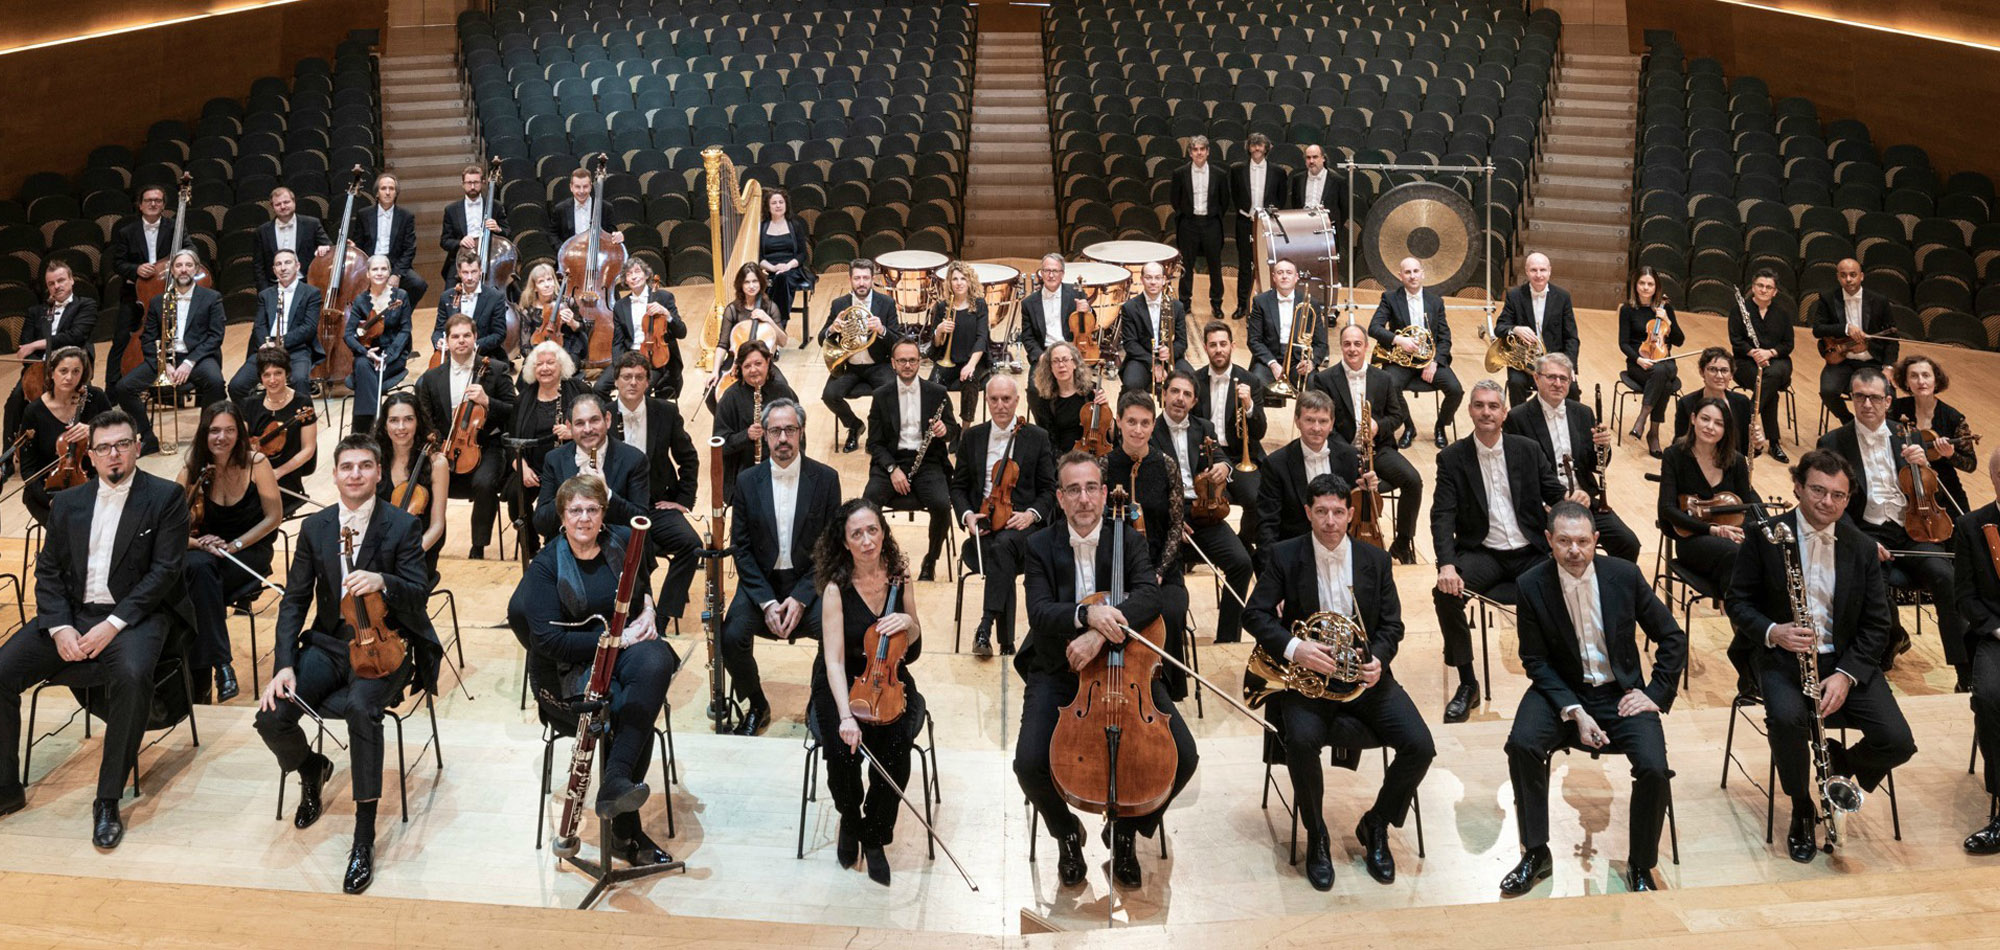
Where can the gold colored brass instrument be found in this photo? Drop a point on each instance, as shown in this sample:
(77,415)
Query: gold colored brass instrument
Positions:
(1166,339)
(1426,349)
(847,335)
(1303,317)
(1506,351)
(735,227)
(1248,465)
(932,295)
(170,303)
(1838,794)
(1342,634)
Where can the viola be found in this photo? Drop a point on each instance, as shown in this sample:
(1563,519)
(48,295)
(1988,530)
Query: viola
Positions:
(1211,492)
(463,449)
(549,328)
(1097,421)
(69,472)
(370,331)
(998,505)
(412,496)
(658,345)
(34,380)
(1924,518)
(1962,443)
(198,498)
(377,650)
(1722,508)
(340,276)
(877,696)
(277,432)
(1655,346)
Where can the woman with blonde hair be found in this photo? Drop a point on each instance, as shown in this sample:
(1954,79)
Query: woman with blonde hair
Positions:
(959,336)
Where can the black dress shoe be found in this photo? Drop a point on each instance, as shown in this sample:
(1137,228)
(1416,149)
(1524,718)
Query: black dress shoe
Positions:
(1125,859)
(1409,436)
(225,683)
(1006,648)
(1462,702)
(848,850)
(621,796)
(982,643)
(1373,834)
(1778,454)
(204,691)
(853,440)
(1984,841)
(1640,879)
(360,868)
(478,553)
(1964,684)
(1069,859)
(929,570)
(755,720)
(1403,552)
(1439,439)
(1801,842)
(878,865)
(1319,860)
(640,851)
(312,778)
(107,829)
(13,798)
(1535,867)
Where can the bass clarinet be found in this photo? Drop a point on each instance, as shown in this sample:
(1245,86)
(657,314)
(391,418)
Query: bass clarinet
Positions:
(597,694)
(1838,794)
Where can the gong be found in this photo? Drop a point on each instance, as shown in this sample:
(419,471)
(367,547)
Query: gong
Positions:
(1429,222)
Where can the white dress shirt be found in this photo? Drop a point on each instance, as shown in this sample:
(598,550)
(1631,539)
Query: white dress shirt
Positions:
(1357,392)
(105,515)
(1885,500)
(385,225)
(287,234)
(580,212)
(181,304)
(1503,530)
(152,232)
(1317,463)
(1153,307)
(468,300)
(1816,559)
(1333,568)
(57,310)
(1315,190)
(1052,317)
(785,503)
(1178,431)
(1258,170)
(998,443)
(639,300)
(635,424)
(356,520)
(475,218)
(1557,418)
(1222,401)
(1415,304)
(1540,299)
(460,378)
(1852,304)
(1198,178)
(1084,548)
(910,405)
(282,321)
(1282,345)
(1586,614)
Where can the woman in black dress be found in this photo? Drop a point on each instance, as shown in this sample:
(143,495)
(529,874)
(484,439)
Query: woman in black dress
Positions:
(784,253)
(240,515)
(540,303)
(1924,379)
(961,331)
(392,346)
(60,417)
(541,412)
(295,453)
(867,584)
(1062,387)
(570,584)
(751,305)
(408,453)
(1716,375)
(1703,464)
(1656,381)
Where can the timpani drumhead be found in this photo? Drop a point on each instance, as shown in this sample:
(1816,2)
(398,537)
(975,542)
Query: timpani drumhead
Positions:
(1427,221)
(921,261)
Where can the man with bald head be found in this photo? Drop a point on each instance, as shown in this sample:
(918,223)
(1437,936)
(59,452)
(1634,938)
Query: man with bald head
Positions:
(1152,333)
(1278,318)
(1402,310)
(1538,311)
(1316,187)
(1978,589)
(997,549)
(1851,316)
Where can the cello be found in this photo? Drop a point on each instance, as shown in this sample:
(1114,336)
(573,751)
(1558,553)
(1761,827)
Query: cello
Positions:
(340,276)
(150,287)
(592,266)
(497,256)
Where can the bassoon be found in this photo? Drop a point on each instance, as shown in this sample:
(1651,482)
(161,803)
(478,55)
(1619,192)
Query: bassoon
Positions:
(596,694)
(711,607)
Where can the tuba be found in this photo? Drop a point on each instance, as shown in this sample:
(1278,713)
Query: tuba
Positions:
(1426,349)
(846,335)
(1342,634)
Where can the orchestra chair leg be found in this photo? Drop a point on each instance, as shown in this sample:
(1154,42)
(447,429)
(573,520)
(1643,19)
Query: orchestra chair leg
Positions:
(1972,764)
(809,788)
(958,611)
(30,547)
(20,596)
(669,770)
(1621,390)
(548,769)
(88,678)
(435,746)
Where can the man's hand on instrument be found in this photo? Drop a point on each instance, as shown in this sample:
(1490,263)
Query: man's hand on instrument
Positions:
(1084,649)
(470,241)
(1405,343)
(283,684)
(615,237)
(1635,702)
(1857,334)
(475,393)
(1833,693)
(529,477)
(1579,496)
(1798,638)
(1106,620)
(1243,393)
(151,270)
(971,520)
(656,308)
(1219,470)
(180,373)
(492,225)
(937,427)
(1600,435)
(1305,367)
(875,324)
(1914,454)
(1882,554)
(1588,731)
(363,582)
(1525,335)
(1277,369)
(1371,672)
(323,250)
(1371,481)
(1160,355)
(899,481)
(1449,583)
(1316,657)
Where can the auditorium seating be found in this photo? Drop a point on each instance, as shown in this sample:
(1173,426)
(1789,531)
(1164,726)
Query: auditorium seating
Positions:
(1731,181)
(860,110)
(297,133)
(1376,81)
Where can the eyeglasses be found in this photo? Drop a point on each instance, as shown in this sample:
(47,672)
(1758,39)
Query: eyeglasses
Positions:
(1555,377)
(1079,491)
(1819,493)
(1869,398)
(583,511)
(783,430)
(107,448)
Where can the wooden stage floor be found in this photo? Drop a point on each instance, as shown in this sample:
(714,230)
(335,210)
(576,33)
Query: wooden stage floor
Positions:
(205,860)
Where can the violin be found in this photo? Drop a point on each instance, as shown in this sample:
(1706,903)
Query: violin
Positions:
(463,450)
(1211,492)
(377,650)
(1083,329)
(69,471)
(658,345)
(412,496)
(1112,752)
(1097,421)
(1924,519)
(549,327)
(198,498)
(370,331)
(1722,508)
(277,432)
(1962,443)
(877,695)
(1655,346)
(998,505)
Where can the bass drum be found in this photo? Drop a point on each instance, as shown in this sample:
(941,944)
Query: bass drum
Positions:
(1134,256)
(1308,239)
(906,276)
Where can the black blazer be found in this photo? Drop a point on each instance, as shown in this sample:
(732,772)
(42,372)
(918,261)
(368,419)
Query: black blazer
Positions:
(75,324)
(1681,474)
(753,538)
(204,329)
(1527,420)
(1276,185)
(146,555)
(1135,328)
(1458,508)
(1281,493)
(1332,197)
(128,246)
(1553,658)
(1558,319)
(883,307)
(301,320)
(885,422)
(1050,572)
(402,235)
(1232,433)
(1034,490)
(562,219)
(311,237)
(623,340)
(1183,192)
(434,392)
(1393,314)
(455,231)
(1847,442)
(1739,415)
(1759,597)
(1287,592)
(1198,430)
(1035,323)
(733,417)
(1774,330)
(393,546)
(395,340)
(970,334)
(489,318)
(673,467)
(1830,320)
(1977,584)
(624,474)
(1267,343)
(1386,403)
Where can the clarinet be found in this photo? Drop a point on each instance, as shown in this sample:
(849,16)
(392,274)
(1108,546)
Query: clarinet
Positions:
(596,694)
(1837,794)
(1757,380)
(924,444)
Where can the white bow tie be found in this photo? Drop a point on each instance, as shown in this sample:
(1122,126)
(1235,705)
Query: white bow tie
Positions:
(1320,456)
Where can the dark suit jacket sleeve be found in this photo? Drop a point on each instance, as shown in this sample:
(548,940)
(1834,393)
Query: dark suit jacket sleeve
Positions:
(304,331)
(1786,318)
(1182,192)
(1545,474)
(1046,614)
(1260,615)
(209,323)
(546,519)
(1536,636)
(1970,561)
(261,254)
(1444,511)
(1862,658)
(301,586)
(881,434)
(1381,325)
(1440,325)
(51,593)
(1044,475)
(967,478)
(1387,636)
(751,580)
(1670,642)
(1260,348)
(1395,415)
(318,240)
(687,463)
(1270,506)
(1515,310)
(1142,604)
(630,498)
(1827,319)
(1746,585)
(169,516)
(407,584)
(1566,323)
(128,249)
(807,591)
(403,245)
(77,330)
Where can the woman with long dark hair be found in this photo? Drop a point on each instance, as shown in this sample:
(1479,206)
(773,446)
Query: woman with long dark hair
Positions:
(1703,463)
(405,432)
(750,303)
(784,253)
(60,417)
(1656,380)
(241,509)
(297,454)
(1061,387)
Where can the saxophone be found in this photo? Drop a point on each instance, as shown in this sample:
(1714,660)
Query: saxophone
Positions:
(757,417)
(1838,794)
(1166,339)
(1756,383)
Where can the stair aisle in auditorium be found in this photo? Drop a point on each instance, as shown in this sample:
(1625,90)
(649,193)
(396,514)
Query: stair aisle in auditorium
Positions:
(1010,186)
(427,132)
(1581,194)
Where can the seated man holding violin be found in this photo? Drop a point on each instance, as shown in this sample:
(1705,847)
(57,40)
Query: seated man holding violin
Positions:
(66,320)
(645,302)
(1188,439)
(1847,324)
(1003,488)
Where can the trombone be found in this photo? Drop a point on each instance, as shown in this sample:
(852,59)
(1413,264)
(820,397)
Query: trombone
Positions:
(1304,316)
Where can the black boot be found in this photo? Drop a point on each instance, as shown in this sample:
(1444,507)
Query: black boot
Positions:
(878,865)
(849,849)
(1319,860)
(1125,859)
(225,683)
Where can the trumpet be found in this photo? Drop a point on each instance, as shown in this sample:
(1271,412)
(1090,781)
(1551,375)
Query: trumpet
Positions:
(1243,436)
(1342,634)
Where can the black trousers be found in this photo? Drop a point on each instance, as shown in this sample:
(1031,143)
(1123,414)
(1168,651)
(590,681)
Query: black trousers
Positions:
(1310,725)
(245,385)
(868,805)
(1396,472)
(127,317)
(1986,707)
(853,382)
(1833,378)
(1443,381)
(413,285)
(130,390)
(968,390)
(1199,238)
(1933,574)
(1710,558)
(1656,387)
(1137,375)
(210,581)
(745,623)
(930,491)
(639,683)
(1777,379)
(30,657)
(368,386)
(329,685)
(1885,735)
(673,538)
(1482,569)
(1539,730)
(483,485)
(1042,699)
(1231,558)
(1007,548)
(1614,537)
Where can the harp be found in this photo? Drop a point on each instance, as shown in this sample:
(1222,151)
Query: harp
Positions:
(736,226)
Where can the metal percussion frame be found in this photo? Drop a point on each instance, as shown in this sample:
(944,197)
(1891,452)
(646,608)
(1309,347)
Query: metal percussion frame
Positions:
(1348,306)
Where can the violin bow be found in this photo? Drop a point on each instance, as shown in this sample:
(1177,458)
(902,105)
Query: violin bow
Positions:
(1132,635)
(883,774)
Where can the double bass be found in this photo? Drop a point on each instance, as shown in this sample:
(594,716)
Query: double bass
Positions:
(341,277)
(591,265)
(497,256)
(151,287)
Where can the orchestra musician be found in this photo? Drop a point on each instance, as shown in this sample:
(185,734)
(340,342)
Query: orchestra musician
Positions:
(571,216)
(1253,184)
(1922,380)
(1326,571)
(313,664)
(752,304)
(1488,521)
(1180,436)
(193,353)
(241,510)
(1845,634)
(404,431)
(1717,368)
(64,320)
(960,331)
(541,303)
(1874,452)
(107,587)
(1009,437)
(1144,323)
(673,472)
(1577,616)
(471,210)
(139,251)
(1853,317)
(390,230)
(1977,581)
(1067,562)
(1655,380)
(442,391)
(1271,331)
(642,302)
(1045,312)
(297,455)
(541,424)
(60,417)
(483,304)
(1062,386)
(288,322)
(1773,352)
(1353,384)
(1200,201)
(868,369)
(1315,187)
(738,414)
(288,231)
(1153,481)
(861,565)
(1281,492)
(784,252)
(1538,312)
(782,505)
(1232,400)
(1418,308)
(383,366)
(910,431)
(1567,430)
(592,451)
(1704,464)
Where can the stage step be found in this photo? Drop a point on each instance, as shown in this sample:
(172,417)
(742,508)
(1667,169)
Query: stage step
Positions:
(1009,193)
(427,139)
(1579,204)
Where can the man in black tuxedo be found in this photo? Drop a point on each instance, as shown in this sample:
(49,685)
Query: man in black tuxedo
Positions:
(905,418)
(1487,521)
(472,209)
(1852,316)
(1845,634)
(1588,686)
(139,251)
(1066,635)
(312,665)
(1281,492)
(867,370)
(1413,307)
(1200,198)
(1316,187)
(1327,571)
(1145,325)
(107,587)
(484,304)
(783,505)
(1769,352)
(1566,429)
(1977,576)
(1009,437)
(592,450)
(1274,327)
(288,318)
(458,380)
(288,231)
(673,473)
(193,350)
(1232,400)
(64,320)
(571,216)
(1353,383)
(1253,184)
(1045,310)
(389,230)
(1184,436)
(640,303)
(1537,311)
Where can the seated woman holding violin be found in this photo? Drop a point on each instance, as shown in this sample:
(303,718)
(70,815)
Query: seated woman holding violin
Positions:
(1062,389)
(378,334)
(1648,331)
(1706,498)
(548,316)
(415,475)
(285,428)
(233,513)
(54,438)
(862,694)
(1941,428)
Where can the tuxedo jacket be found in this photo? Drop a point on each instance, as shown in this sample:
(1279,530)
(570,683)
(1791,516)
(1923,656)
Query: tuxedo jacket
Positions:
(1287,592)
(1050,574)
(1527,420)
(301,320)
(1276,185)
(1198,429)
(1035,323)
(885,423)
(1386,403)
(1558,319)
(1182,192)
(1760,595)
(1552,656)
(146,555)
(1034,490)
(402,235)
(673,467)
(1281,492)
(1829,319)
(562,219)
(489,318)
(1231,435)
(1458,508)
(393,546)
(204,327)
(128,246)
(733,418)
(395,340)
(434,392)
(883,307)
(753,537)
(311,237)
(1393,315)
(1978,584)
(1268,343)
(73,324)
(1332,197)
(455,231)
(1774,329)
(1847,442)
(623,340)
(624,469)
(1135,328)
